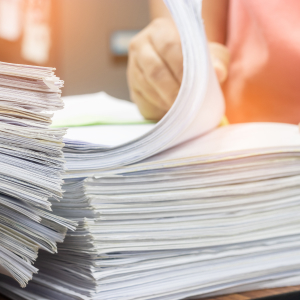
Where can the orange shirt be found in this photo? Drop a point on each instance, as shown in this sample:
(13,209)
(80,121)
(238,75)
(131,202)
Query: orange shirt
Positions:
(264,73)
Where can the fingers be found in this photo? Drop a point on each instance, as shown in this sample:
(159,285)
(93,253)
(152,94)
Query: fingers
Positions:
(147,109)
(157,74)
(151,106)
(167,44)
(154,70)
(137,82)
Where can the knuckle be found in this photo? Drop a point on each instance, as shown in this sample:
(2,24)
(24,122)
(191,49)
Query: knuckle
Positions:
(168,46)
(133,44)
(135,96)
(156,71)
(148,61)
(137,40)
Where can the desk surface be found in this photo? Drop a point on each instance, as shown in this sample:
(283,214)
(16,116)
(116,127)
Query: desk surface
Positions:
(257,294)
(244,296)
(247,295)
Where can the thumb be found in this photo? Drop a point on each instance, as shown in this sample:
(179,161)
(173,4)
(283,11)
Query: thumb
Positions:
(220,60)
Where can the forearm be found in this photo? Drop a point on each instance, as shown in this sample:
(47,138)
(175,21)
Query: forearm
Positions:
(215,16)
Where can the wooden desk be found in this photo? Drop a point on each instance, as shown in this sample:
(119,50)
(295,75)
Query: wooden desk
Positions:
(244,296)
(257,294)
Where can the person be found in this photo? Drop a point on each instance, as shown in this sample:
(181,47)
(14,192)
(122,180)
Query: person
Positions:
(261,81)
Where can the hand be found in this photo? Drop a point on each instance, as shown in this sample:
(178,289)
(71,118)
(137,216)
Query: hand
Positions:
(155,67)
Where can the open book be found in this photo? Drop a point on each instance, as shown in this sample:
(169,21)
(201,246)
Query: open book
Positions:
(174,209)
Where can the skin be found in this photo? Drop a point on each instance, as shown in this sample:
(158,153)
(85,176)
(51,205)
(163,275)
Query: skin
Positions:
(155,65)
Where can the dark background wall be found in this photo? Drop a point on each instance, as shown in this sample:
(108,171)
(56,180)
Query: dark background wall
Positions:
(80,43)
(85,60)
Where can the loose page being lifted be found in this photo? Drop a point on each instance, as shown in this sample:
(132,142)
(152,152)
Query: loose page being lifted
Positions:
(198,108)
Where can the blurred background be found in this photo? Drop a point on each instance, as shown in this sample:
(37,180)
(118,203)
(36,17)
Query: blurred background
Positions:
(85,40)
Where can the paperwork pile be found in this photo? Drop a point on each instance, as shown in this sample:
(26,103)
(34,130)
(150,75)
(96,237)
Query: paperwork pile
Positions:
(179,208)
(216,215)
(31,164)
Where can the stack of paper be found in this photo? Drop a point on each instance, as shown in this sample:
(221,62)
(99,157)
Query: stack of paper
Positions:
(215,215)
(31,164)
(201,214)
